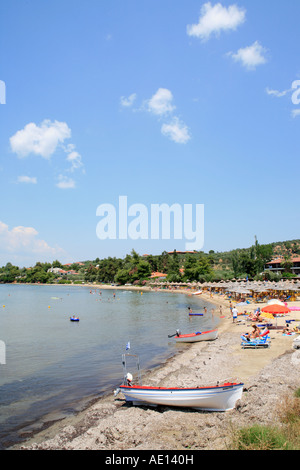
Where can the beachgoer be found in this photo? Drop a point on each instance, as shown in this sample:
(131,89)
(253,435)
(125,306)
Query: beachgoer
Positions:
(234,314)
(255,333)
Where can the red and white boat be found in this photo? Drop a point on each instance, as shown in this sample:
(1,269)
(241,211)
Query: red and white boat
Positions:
(214,398)
(220,397)
(198,336)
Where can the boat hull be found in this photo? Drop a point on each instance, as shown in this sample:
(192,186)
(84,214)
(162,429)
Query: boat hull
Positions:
(218,398)
(196,337)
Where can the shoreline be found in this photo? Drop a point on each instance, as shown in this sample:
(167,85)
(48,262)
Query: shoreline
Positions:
(110,424)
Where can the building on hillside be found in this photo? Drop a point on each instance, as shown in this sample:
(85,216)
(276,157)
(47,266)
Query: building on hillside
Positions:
(277,265)
(157,275)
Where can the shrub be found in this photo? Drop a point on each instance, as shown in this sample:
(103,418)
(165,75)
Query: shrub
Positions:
(259,437)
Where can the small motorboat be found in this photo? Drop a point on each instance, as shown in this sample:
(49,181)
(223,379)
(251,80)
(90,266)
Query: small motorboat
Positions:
(196,337)
(197,293)
(216,398)
(220,397)
(74,318)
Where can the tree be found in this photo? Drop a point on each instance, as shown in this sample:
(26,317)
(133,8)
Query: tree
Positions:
(197,269)
(122,276)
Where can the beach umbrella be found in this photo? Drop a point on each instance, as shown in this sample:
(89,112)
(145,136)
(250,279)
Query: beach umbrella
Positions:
(275,309)
(275,301)
(268,315)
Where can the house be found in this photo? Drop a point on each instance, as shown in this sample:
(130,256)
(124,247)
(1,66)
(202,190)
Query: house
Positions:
(62,272)
(155,275)
(277,265)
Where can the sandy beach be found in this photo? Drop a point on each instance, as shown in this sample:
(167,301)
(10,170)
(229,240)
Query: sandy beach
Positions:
(269,375)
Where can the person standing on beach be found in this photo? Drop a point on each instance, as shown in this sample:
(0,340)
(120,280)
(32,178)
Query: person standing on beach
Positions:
(234,312)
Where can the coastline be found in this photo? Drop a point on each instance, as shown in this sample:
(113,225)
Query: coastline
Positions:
(110,424)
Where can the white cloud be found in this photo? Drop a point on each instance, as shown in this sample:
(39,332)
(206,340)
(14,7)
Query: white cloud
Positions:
(65,183)
(23,241)
(43,140)
(40,140)
(295,113)
(161,105)
(176,131)
(127,102)
(27,179)
(251,56)
(277,93)
(215,19)
(161,102)
(75,159)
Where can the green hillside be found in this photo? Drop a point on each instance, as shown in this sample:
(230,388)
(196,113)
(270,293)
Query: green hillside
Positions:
(177,266)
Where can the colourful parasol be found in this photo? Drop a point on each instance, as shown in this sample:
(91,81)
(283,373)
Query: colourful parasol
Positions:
(267,315)
(275,309)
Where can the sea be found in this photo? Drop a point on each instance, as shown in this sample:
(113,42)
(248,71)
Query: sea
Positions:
(53,368)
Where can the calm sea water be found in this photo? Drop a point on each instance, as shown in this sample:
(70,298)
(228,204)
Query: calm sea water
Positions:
(54,367)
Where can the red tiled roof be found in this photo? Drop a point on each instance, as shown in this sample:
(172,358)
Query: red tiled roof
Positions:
(281,260)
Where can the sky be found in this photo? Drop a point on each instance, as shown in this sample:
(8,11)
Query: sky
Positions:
(153,102)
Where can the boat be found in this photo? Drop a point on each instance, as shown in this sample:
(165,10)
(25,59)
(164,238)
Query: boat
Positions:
(220,397)
(215,398)
(196,337)
(74,318)
(197,293)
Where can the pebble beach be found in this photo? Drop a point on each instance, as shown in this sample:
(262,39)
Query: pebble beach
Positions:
(269,376)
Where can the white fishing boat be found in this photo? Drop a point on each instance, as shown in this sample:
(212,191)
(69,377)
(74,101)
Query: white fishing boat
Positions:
(196,337)
(198,292)
(215,398)
(220,397)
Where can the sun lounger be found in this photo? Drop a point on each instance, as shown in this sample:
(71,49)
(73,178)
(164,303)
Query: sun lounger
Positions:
(256,343)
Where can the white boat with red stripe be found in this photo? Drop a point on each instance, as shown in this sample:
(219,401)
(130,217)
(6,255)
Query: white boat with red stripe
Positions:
(214,398)
(210,335)
(220,397)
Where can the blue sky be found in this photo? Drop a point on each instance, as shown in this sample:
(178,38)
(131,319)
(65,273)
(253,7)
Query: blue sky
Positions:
(160,101)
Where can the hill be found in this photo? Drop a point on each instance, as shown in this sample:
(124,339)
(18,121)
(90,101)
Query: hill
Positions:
(177,266)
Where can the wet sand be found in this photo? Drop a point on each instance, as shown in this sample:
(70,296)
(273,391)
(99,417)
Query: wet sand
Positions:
(268,376)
